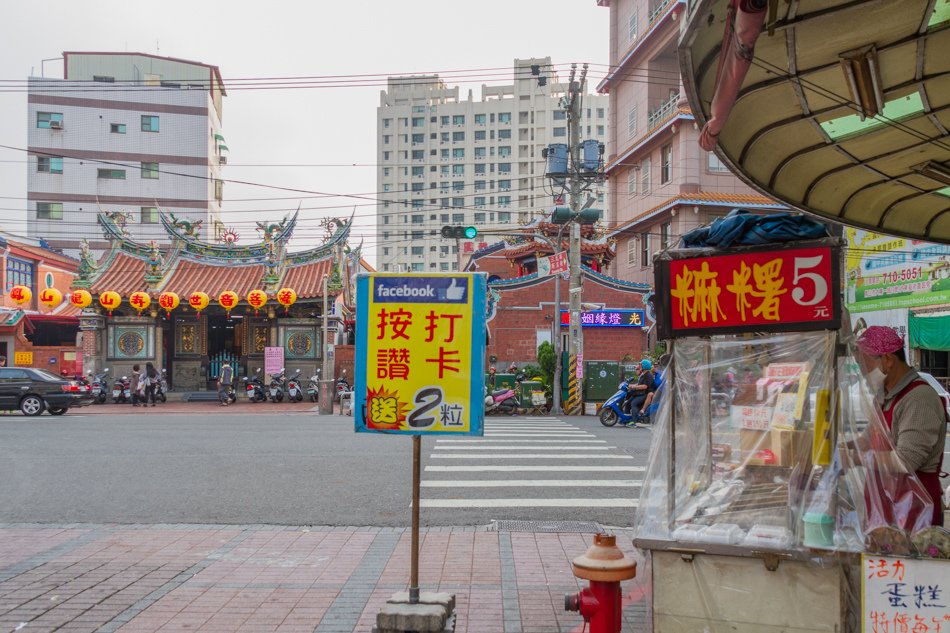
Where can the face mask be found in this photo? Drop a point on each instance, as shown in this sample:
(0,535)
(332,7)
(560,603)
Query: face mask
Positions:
(876,379)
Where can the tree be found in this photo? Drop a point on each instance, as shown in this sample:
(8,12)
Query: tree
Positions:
(546,360)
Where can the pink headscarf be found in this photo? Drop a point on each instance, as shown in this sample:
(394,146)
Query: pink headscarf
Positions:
(878,340)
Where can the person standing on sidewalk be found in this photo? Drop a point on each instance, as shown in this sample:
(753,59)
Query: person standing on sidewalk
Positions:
(135,385)
(151,383)
(224,384)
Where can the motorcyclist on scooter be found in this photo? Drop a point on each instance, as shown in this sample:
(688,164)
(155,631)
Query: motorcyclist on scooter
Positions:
(638,392)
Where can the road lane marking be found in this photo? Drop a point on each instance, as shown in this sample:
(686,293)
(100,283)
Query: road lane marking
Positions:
(529,434)
(538,469)
(521,448)
(528,456)
(532,483)
(526,441)
(528,503)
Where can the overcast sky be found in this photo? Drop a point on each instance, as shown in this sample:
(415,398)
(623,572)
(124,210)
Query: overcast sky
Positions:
(265,128)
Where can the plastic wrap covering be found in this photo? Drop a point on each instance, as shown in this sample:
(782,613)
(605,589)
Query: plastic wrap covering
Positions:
(748,451)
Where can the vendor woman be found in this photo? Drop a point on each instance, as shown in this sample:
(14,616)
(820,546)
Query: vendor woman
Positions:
(912,409)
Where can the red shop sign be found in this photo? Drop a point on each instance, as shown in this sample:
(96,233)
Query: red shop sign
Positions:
(784,289)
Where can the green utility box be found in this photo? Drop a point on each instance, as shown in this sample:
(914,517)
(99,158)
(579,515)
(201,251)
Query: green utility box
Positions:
(600,380)
(527,397)
(502,381)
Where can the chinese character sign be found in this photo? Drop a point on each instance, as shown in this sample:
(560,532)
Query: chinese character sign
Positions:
(904,594)
(752,290)
(606,318)
(420,353)
(273,360)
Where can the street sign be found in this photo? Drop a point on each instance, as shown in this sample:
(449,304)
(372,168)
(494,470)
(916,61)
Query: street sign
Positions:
(23,358)
(420,353)
(899,594)
(606,318)
(552,264)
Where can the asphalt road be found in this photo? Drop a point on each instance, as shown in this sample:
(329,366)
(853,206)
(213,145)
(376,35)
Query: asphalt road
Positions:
(304,469)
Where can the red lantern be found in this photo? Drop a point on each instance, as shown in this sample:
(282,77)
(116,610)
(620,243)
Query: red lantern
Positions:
(21,294)
(286,297)
(228,300)
(110,300)
(80,298)
(140,301)
(257,299)
(199,301)
(168,301)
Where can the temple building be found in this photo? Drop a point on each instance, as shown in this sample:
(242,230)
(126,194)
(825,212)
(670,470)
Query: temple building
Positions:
(191,341)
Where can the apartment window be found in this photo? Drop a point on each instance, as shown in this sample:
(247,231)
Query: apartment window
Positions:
(666,230)
(479,201)
(49,120)
(479,218)
(111,174)
(600,113)
(504,134)
(714,164)
(387,122)
(560,115)
(444,266)
(458,217)
(560,131)
(418,154)
(416,109)
(600,130)
(458,170)
(443,120)
(417,204)
(632,251)
(504,168)
(504,150)
(480,135)
(117,128)
(645,250)
(386,250)
(479,185)
(504,117)
(444,217)
(148,215)
(458,119)
(418,171)
(444,137)
(458,202)
(416,250)
(504,217)
(632,182)
(479,152)
(418,235)
(49,210)
(632,122)
(458,152)
(458,136)
(645,176)
(458,185)
(19,273)
(418,121)
(386,155)
(480,169)
(444,154)
(387,138)
(480,119)
(387,187)
(149,123)
(49,164)
(385,235)
(418,186)
(385,219)
(418,219)
(386,171)
(666,167)
(504,185)
(218,190)
(504,201)
(150,171)
(632,24)
(418,138)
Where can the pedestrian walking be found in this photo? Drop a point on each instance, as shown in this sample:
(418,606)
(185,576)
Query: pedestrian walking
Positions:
(224,384)
(135,385)
(151,379)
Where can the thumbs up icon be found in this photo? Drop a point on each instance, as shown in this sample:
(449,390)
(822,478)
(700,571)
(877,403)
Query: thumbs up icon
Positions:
(454,292)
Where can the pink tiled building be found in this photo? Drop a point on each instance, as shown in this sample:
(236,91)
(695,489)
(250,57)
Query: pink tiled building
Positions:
(661,183)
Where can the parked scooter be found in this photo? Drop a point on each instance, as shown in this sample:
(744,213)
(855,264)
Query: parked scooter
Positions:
(294,391)
(313,387)
(161,388)
(342,386)
(501,401)
(277,384)
(122,391)
(254,388)
(100,386)
(617,407)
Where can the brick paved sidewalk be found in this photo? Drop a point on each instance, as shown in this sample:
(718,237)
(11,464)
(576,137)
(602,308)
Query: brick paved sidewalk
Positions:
(290,579)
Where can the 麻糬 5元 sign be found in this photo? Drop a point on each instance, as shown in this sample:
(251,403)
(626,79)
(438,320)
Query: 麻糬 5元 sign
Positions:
(420,353)
(793,287)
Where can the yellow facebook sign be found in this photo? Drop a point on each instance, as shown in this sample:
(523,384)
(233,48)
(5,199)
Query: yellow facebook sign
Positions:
(420,353)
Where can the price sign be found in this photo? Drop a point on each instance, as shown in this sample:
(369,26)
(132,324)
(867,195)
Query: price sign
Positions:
(904,594)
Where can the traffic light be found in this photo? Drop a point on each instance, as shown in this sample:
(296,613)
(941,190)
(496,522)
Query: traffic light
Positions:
(563,215)
(459,232)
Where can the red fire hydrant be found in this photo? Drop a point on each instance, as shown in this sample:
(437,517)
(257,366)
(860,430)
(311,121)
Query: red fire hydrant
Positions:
(604,565)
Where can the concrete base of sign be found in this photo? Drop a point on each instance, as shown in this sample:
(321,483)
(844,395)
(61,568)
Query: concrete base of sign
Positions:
(432,614)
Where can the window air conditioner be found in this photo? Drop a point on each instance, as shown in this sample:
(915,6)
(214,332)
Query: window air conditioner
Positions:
(56,125)
(222,160)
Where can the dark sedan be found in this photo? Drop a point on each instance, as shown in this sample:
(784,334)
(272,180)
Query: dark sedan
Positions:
(33,391)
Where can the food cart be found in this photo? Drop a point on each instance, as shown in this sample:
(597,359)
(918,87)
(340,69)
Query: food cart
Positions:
(754,515)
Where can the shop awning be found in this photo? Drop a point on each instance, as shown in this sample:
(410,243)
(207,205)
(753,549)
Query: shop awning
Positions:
(929,332)
(218,137)
(843,109)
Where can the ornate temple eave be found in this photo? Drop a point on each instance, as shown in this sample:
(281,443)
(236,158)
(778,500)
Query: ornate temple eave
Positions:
(341,232)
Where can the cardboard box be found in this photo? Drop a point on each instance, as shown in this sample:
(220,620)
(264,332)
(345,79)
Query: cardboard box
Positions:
(751,441)
(790,447)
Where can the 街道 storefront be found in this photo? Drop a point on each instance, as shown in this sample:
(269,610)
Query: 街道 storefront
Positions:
(191,343)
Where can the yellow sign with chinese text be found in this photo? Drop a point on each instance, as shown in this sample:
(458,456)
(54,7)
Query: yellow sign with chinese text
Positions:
(23,358)
(420,353)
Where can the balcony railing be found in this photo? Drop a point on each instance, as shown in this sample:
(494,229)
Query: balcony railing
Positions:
(662,112)
(658,9)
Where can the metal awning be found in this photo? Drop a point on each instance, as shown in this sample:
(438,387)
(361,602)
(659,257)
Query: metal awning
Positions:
(844,108)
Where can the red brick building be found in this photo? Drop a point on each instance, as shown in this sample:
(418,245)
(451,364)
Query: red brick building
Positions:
(521,311)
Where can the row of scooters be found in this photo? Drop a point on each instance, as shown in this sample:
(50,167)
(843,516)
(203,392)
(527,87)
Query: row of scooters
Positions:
(121,389)
(282,386)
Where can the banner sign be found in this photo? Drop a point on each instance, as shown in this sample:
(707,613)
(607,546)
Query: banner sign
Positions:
(885,272)
(420,353)
(273,360)
(606,318)
(553,264)
(757,289)
(904,594)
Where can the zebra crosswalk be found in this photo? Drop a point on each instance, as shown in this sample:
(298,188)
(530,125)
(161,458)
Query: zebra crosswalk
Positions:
(531,462)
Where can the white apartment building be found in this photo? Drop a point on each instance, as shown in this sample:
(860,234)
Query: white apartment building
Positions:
(127,132)
(444,160)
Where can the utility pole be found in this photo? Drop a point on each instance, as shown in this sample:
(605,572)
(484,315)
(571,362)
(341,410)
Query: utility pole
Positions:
(576,186)
(326,385)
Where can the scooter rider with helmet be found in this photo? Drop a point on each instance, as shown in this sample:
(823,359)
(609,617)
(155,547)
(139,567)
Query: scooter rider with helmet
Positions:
(644,386)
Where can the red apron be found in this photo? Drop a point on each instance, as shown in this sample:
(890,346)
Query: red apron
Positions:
(930,481)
